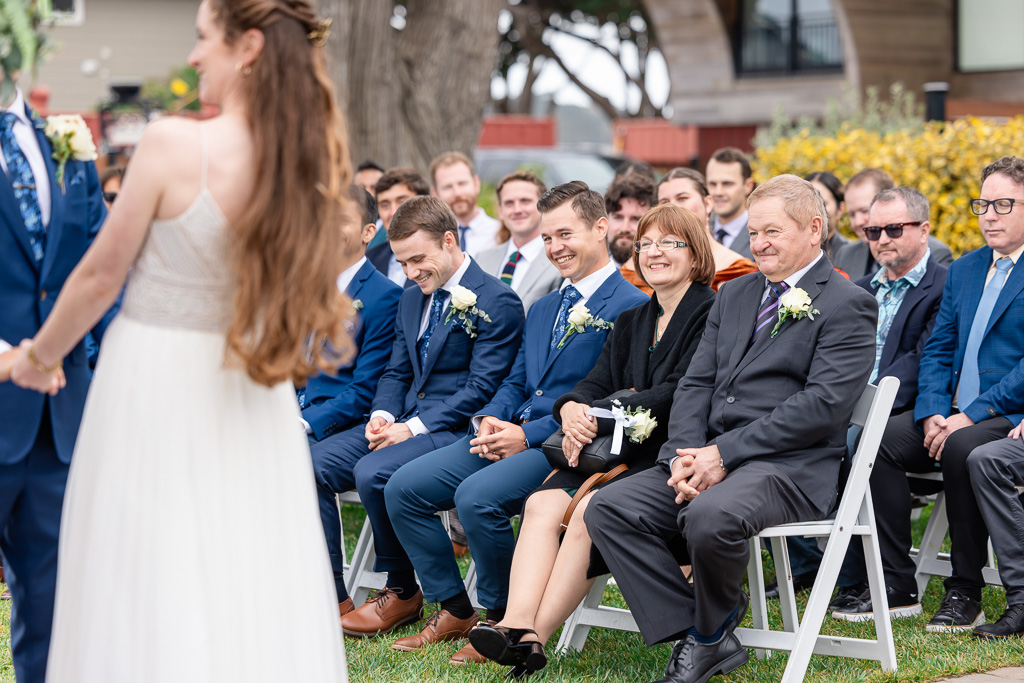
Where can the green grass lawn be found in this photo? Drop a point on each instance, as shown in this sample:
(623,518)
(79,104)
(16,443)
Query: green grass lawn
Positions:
(616,656)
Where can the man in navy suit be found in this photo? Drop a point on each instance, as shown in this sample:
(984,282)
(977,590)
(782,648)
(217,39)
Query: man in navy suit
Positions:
(970,392)
(331,403)
(488,477)
(456,337)
(908,289)
(393,189)
(47,228)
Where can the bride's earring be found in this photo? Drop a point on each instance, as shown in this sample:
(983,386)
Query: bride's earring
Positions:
(243,69)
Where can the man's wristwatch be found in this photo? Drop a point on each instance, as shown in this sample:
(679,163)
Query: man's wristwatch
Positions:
(721,463)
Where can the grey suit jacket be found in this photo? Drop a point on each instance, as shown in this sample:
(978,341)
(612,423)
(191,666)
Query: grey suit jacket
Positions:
(541,275)
(787,399)
(855,258)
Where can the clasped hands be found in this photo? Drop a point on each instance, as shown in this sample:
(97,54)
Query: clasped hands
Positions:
(695,470)
(381,433)
(498,439)
(17,366)
(938,428)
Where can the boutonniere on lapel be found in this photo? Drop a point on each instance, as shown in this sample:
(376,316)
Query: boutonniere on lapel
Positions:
(71,139)
(462,306)
(357,305)
(795,304)
(580,319)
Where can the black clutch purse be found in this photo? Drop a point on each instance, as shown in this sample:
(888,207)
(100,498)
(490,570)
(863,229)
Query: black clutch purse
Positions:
(597,455)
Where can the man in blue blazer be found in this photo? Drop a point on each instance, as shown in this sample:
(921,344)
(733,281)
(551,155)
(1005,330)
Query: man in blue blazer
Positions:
(47,228)
(488,477)
(456,337)
(970,392)
(331,403)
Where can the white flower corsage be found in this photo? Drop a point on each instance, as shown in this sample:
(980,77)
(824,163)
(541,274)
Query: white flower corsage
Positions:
(795,304)
(71,139)
(636,423)
(580,319)
(462,306)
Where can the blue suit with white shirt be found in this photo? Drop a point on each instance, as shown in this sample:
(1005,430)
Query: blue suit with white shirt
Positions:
(39,432)
(488,494)
(336,402)
(436,400)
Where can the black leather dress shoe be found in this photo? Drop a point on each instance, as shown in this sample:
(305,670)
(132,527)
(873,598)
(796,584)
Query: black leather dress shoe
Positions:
(802,582)
(694,662)
(1010,625)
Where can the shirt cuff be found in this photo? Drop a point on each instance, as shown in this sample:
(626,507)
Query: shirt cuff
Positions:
(305,425)
(4,346)
(416,426)
(388,417)
(476,421)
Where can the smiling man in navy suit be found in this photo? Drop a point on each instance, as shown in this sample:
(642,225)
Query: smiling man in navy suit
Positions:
(456,337)
(331,403)
(47,228)
(487,477)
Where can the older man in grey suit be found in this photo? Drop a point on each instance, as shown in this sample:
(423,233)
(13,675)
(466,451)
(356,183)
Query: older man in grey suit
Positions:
(758,429)
(520,261)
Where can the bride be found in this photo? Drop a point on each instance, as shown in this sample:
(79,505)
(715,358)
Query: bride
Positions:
(191,490)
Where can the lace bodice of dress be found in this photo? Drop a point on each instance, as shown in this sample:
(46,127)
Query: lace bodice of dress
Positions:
(181,278)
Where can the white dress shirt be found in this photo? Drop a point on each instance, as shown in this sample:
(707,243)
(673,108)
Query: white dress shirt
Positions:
(482,233)
(25,134)
(528,254)
(589,285)
(395,272)
(734,229)
(415,424)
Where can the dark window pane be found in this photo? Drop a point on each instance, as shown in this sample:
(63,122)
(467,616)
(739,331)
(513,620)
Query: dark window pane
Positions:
(787,36)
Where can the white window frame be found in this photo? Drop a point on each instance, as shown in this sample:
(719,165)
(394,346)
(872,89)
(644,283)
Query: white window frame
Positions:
(76,17)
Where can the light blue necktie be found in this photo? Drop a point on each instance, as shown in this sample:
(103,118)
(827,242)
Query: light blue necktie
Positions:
(434,318)
(569,298)
(970,379)
(463,229)
(24,185)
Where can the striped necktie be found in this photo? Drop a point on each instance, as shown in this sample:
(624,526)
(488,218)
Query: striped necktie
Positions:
(766,315)
(510,268)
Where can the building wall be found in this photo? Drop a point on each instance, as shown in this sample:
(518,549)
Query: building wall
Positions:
(130,39)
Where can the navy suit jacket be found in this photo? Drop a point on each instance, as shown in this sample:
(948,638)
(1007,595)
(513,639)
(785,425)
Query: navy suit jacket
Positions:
(901,354)
(461,372)
(336,402)
(28,292)
(541,375)
(1000,357)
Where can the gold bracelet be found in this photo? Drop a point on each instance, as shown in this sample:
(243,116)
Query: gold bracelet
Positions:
(39,365)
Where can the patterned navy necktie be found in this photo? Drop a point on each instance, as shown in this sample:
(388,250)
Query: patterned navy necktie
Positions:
(436,306)
(766,315)
(569,298)
(24,185)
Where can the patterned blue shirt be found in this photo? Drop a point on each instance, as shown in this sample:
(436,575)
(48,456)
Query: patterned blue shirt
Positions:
(889,297)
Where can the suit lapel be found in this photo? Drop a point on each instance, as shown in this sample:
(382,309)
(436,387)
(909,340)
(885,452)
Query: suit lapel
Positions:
(55,229)
(411,310)
(11,215)
(362,275)
(1013,286)
(472,280)
(911,299)
(745,317)
(595,304)
(974,287)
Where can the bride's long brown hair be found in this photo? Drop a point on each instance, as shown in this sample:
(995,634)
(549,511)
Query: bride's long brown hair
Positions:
(287,320)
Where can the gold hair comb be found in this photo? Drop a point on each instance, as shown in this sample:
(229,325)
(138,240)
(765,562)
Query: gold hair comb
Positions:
(318,36)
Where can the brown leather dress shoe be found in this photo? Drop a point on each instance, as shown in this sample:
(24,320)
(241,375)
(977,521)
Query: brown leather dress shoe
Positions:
(345,607)
(467,655)
(440,628)
(382,614)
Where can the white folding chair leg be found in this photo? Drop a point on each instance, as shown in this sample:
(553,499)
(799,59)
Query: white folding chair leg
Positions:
(758,601)
(876,584)
(928,562)
(363,579)
(577,626)
(784,579)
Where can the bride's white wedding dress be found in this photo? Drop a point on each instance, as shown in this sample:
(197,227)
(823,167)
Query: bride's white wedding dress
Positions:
(191,546)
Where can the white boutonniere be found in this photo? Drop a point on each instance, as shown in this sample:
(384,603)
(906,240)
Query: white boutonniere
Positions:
(795,304)
(357,305)
(71,139)
(579,320)
(462,306)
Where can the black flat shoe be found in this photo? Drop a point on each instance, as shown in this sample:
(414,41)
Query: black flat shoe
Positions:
(506,646)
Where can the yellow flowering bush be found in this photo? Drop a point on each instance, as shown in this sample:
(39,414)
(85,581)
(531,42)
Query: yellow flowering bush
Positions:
(943,161)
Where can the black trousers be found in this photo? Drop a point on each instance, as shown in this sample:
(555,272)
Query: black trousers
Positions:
(633,520)
(902,450)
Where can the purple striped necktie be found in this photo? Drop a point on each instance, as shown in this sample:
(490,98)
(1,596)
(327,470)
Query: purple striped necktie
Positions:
(766,315)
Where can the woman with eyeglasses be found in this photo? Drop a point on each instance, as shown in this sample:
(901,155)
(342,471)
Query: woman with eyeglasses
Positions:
(647,352)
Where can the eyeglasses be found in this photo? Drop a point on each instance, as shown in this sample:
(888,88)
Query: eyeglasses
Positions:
(893,230)
(1002,206)
(662,244)
(109,197)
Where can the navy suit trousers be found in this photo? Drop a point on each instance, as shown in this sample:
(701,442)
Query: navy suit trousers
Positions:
(31,497)
(343,462)
(487,495)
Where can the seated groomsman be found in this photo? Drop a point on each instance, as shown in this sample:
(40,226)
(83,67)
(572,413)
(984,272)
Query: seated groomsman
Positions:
(331,403)
(520,261)
(393,189)
(627,200)
(758,429)
(488,477)
(455,182)
(970,392)
(908,289)
(456,337)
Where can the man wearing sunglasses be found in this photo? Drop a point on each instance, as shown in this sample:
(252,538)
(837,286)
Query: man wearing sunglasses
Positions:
(970,392)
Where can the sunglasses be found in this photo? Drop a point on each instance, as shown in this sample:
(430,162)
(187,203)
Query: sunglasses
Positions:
(893,230)
(109,197)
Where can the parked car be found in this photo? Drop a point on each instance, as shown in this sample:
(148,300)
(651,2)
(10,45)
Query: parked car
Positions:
(554,166)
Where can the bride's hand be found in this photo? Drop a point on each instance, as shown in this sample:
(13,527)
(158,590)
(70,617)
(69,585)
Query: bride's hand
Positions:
(7,359)
(25,374)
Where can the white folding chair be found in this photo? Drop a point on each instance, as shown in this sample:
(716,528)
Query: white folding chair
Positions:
(591,613)
(855,516)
